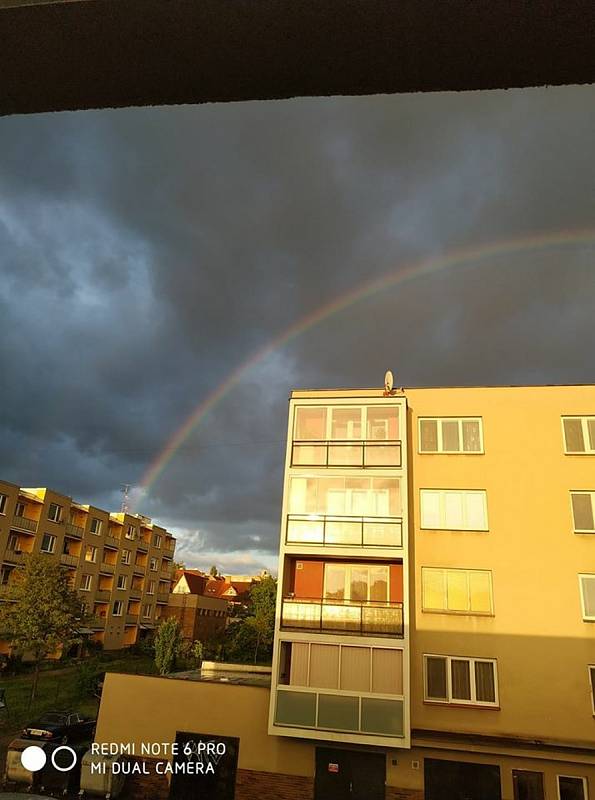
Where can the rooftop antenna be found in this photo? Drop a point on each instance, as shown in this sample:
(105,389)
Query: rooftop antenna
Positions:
(125,489)
(388,383)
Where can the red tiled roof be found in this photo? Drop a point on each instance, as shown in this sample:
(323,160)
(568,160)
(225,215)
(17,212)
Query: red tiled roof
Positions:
(217,588)
(242,586)
(196,581)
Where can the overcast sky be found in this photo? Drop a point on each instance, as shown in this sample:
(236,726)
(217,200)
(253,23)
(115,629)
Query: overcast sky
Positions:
(147,253)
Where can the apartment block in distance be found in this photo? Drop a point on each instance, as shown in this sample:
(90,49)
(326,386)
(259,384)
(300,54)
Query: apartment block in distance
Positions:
(435,632)
(121,564)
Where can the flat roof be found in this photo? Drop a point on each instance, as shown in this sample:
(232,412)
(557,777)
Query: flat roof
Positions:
(400,391)
(225,676)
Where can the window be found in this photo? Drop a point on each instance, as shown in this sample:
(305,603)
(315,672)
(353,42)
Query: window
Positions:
(528,785)
(156,540)
(356,582)
(147,609)
(19,510)
(153,565)
(583,511)
(467,681)
(463,591)
(86,583)
(587,586)
(460,510)
(117,609)
(91,554)
(130,532)
(451,435)
(121,582)
(3,499)
(125,557)
(48,543)
(96,526)
(374,497)
(592,684)
(572,788)
(151,589)
(579,434)
(55,513)
(342,423)
(13,541)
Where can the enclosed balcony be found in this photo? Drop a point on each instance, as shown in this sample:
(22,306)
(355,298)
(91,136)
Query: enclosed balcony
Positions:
(367,618)
(346,436)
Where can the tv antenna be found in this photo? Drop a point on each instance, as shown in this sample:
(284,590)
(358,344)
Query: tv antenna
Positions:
(125,489)
(388,382)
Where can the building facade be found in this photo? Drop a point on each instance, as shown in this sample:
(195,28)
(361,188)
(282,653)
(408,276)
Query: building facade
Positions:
(200,616)
(121,564)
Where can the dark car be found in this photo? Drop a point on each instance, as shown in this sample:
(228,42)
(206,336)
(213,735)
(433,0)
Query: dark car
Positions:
(60,726)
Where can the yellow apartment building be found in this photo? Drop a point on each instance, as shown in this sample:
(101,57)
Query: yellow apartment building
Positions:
(121,564)
(435,630)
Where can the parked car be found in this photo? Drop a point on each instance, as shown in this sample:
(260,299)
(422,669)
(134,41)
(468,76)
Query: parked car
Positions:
(60,726)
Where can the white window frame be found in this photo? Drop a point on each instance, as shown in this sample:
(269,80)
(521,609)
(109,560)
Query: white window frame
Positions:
(458,701)
(55,519)
(591,672)
(347,579)
(130,533)
(440,450)
(19,509)
(3,502)
(580,583)
(99,526)
(584,419)
(145,614)
(469,612)
(153,568)
(120,604)
(156,540)
(363,409)
(592,496)
(151,589)
(576,777)
(52,542)
(86,588)
(125,579)
(442,502)
(126,557)
(93,552)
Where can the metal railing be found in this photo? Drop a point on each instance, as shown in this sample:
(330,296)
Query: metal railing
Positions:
(102,595)
(74,530)
(162,597)
(105,567)
(360,453)
(15,556)
(142,546)
(24,524)
(132,618)
(366,618)
(328,529)
(110,541)
(68,560)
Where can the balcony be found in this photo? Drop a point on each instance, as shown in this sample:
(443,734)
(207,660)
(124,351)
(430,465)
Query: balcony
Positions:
(132,619)
(138,570)
(344,531)
(25,524)
(15,556)
(108,568)
(165,573)
(135,594)
(110,541)
(97,622)
(68,560)
(74,530)
(142,547)
(163,597)
(330,710)
(369,618)
(102,596)
(347,453)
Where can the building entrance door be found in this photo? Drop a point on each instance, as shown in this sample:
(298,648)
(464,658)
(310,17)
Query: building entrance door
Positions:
(207,767)
(527,785)
(459,780)
(349,775)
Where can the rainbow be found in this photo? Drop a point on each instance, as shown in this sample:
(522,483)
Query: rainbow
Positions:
(456,258)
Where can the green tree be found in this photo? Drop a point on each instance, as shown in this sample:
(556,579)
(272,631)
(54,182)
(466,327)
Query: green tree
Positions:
(178,565)
(167,643)
(43,615)
(197,652)
(213,572)
(263,597)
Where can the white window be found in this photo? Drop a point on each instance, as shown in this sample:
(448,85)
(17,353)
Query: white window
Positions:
(450,435)
(19,510)
(153,565)
(356,582)
(117,609)
(91,554)
(96,526)
(55,513)
(147,611)
(592,684)
(583,511)
(460,510)
(463,591)
(466,681)
(571,787)
(125,557)
(587,586)
(345,423)
(343,496)
(130,532)
(156,540)
(151,589)
(48,543)
(121,581)
(86,583)
(579,434)
(3,499)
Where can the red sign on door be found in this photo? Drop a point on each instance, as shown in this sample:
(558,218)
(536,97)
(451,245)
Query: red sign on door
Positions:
(333,767)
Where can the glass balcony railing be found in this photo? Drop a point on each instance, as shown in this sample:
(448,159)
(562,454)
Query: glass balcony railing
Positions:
(326,529)
(346,453)
(329,710)
(369,618)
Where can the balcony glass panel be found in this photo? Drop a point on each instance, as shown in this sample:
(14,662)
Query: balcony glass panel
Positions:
(338,712)
(386,455)
(346,423)
(370,619)
(382,716)
(372,497)
(296,708)
(338,617)
(358,532)
(309,455)
(310,423)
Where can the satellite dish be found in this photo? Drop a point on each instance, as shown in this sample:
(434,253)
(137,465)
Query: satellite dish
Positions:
(388,381)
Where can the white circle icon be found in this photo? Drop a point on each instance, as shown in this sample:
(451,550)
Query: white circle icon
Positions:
(33,758)
(55,753)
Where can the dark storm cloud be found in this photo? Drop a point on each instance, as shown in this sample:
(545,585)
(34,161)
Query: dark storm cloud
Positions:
(147,253)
